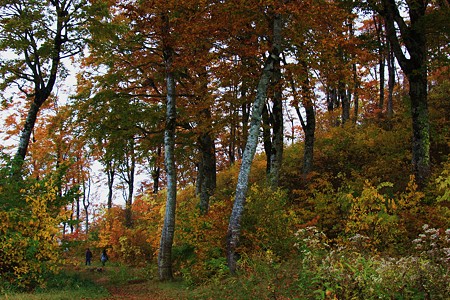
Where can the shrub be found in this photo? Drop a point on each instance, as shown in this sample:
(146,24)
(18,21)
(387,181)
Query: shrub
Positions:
(267,223)
(29,249)
(132,245)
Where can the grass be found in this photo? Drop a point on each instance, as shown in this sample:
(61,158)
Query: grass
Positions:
(115,281)
(68,284)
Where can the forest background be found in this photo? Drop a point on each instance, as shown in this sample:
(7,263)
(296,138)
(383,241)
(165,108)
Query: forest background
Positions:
(301,145)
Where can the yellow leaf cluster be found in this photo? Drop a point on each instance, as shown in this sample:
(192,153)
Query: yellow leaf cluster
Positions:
(28,240)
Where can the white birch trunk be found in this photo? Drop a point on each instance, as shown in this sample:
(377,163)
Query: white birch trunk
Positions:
(234,226)
(168,230)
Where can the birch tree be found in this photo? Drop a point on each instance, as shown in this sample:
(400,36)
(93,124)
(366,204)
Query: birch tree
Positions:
(234,227)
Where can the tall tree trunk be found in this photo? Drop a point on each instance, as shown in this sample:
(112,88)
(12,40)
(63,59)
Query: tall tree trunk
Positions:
(232,142)
(245,108)
(86,201)
(345,100)
(156,172)
(80,178)
(276,153)
(391,83)
(309,127)
(381,59)
(421,130)
(131,166)
(207,170)
(206,146)
(110,172)
(168,230)
(241,129)
(234,226)
(27,130)
(267,138)
(332,104)
(356,85)
(356,82)
(381,67)
(412,34)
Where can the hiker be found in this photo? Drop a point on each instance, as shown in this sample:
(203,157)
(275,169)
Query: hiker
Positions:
(88,257)
(104,258)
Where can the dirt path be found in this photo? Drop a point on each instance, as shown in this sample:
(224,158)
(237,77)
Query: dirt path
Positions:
(137,292)
(138,288)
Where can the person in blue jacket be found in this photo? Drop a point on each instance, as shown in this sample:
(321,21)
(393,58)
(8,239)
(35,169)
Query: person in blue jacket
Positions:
(104,258)
(88,257)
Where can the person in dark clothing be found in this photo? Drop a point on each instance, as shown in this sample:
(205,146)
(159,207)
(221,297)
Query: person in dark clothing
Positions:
(88,257)
(104,258)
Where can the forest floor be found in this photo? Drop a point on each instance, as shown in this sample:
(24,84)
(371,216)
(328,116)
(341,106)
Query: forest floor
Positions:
(132,283)
(112,282)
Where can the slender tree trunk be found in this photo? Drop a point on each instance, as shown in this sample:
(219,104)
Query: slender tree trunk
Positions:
(80,178)
(207,170)
(413,36)
(130,181)
(27,131)
(78,214)
(309,127)
(168,230)
(391,83)
(382,67)
(276,153)
(420,122)
(356,82)
(86,202)
(25,136)
(110,172)
(244,92)
(345,102)
(71,215)
(245,108)
(355,93)
(232,142)
(206,146)
(267,138)
(156,173)
(234,226)
(381,59)
(332,104)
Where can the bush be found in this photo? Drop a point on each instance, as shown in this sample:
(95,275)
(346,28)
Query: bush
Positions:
(132,245)
(29,249)
(267,223)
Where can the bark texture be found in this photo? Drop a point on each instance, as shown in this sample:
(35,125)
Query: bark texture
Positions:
(412,35)
(110,172)
(168,230)
(206,170)
(276,153)
(234,227)
(129,179)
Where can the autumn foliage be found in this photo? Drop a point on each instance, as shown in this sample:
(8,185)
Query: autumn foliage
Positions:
(29,248)
(96,170)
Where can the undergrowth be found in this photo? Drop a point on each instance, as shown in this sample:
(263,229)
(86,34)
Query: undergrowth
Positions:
(64,285)
(320,272)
